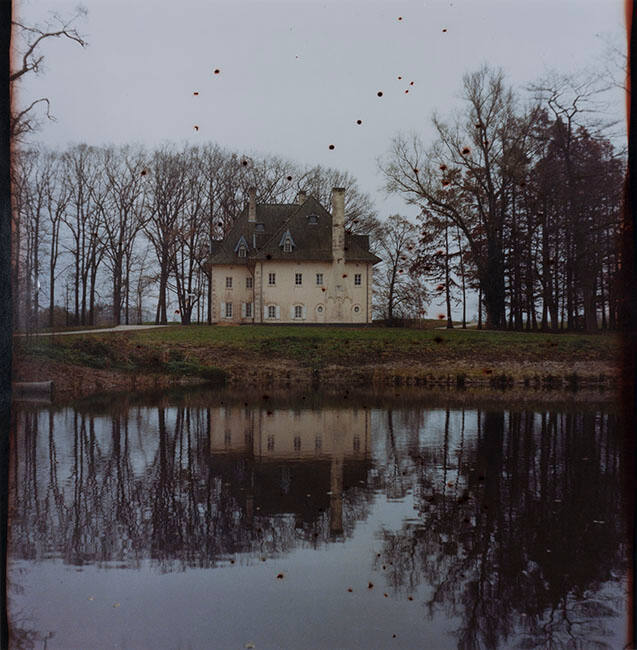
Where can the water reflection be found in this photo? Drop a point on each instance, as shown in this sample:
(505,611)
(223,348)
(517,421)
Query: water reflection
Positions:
(516,534)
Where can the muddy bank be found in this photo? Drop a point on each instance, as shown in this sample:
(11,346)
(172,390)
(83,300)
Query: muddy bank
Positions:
(72,381)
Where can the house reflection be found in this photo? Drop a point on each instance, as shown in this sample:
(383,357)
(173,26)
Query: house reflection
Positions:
(299,461)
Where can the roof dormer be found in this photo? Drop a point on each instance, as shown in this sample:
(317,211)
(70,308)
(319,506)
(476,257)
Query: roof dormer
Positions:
(287,243)
(241,249)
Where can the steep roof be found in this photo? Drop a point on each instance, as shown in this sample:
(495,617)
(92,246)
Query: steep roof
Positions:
(311,241)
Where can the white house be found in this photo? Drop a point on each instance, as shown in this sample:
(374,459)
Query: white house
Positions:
(292,263)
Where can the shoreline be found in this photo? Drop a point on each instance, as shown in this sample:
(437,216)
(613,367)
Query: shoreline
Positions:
(72,381)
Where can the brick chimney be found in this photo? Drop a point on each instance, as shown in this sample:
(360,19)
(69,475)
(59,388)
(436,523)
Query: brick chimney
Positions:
(338,224)
(300,197)
(252,205)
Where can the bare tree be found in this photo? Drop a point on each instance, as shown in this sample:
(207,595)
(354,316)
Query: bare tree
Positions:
(398,290)
(121,207)
(466,176)
(167,198)
(84,176)
(30,60)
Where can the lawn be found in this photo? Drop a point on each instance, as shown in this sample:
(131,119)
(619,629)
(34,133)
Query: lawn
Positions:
(316,346)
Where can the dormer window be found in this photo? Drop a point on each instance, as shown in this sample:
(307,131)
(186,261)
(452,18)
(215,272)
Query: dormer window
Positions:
(286,242)
(241,249)
(312,219)
(260,227)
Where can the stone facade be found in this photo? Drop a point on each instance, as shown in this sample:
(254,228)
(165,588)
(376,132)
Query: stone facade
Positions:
(292,264)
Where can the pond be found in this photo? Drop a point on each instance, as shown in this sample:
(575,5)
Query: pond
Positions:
(212,520)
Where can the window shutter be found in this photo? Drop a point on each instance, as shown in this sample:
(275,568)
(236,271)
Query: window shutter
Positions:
(292,311)
(278,312)
(243,310)
(223,310)
(304,312)
(265,311)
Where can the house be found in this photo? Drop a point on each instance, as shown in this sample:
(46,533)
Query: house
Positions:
(292,263)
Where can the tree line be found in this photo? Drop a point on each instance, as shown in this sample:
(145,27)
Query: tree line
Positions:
(111,223)
(521,203)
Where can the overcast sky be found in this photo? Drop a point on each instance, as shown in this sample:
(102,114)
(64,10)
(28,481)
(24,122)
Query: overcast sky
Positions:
(296,76)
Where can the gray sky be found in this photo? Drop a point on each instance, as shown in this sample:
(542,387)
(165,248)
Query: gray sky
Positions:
(295,76)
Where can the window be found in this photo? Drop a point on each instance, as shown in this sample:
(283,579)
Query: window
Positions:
(248,310)
(357,279)
(298,278)
(229,283)
(228,310)
(298,311)
(271,311)
(271,278)
(260,227)
(319,309)
(270,443)
(243,251)
(297,443)
(312,219)
(319,278)
(318,443)
(249,282)
(287,246)
(227,438)
(356,443)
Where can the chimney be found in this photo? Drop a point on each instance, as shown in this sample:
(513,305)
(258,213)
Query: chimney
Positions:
(252,205)
(300,197)
(338,224)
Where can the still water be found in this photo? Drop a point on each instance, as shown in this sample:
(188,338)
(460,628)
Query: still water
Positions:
(209,521)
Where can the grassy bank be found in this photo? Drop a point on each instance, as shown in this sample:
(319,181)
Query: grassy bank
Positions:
(330,354)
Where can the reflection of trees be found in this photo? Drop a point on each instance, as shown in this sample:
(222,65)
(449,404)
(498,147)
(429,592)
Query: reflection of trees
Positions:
(98,491)
(521,533)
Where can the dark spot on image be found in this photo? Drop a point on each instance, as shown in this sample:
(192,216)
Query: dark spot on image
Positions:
(443,167)
(380,93)
(444,30)
(217,71)
(244,163)
(289,178)
(331,147)
(411,83)
(195,93)
(438,339)
(406,92)
(350,589)
(399,78)
(279,576)
(370,585)
(196,128)
(466,151)
(400,17)
(359,121)
(144,172)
